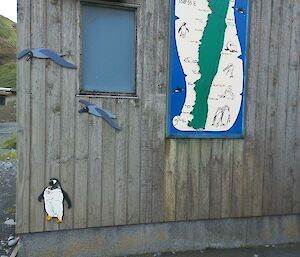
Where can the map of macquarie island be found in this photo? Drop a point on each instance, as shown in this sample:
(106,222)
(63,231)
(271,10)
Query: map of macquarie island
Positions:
(208,63)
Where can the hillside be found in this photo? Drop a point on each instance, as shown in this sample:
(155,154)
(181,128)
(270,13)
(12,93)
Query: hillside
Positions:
(8,36)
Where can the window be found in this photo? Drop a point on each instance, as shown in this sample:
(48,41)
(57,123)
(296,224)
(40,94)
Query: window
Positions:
(108,49)
(2,100)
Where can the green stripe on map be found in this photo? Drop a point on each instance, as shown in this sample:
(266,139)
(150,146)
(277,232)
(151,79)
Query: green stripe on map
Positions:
(209,57)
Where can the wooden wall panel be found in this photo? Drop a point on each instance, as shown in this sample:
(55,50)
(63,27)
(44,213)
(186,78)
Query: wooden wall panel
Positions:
(294,81)
(193,179)
(134,164)
(227,167)
(121,160)
(24,119)
(248,145)
(270,143)
(148,35)
(38,119)
(94,169)
(256,175)
(137,175)
(53,99)
(204,179)
(108,169)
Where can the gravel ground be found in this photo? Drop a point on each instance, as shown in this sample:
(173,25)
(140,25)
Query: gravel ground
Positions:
(8,172)
(6,129)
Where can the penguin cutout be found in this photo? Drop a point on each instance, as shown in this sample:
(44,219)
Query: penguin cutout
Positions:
(54,197)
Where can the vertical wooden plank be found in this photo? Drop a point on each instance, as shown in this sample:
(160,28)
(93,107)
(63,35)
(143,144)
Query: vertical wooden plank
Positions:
(23,119)
(80,201)
(226,173)
(95,168)
(147,105)
(248,167)
(108,167)
(237,196)
(291,111)
(162,51)
(170,180)
(159,127)
(268,186)
(134,163)
(260,114)
(181,179)
(204,179)
(193,178)
(158,162)
(146,176)
(215,179)
(135,117)
(295,80)
(68,106)
(52,113)
(296,200)
(249,140)
(38,108)
(280,122)
(81,152)
(121,159)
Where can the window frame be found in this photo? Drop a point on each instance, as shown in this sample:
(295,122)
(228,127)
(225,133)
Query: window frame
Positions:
(107,4)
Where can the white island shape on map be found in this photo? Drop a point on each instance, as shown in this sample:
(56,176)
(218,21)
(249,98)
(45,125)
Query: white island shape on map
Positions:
(225,98)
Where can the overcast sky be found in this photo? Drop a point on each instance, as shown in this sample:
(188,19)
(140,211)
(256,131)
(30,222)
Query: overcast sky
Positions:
(8,8)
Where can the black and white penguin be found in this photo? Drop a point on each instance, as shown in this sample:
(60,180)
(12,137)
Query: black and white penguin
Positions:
(183,30)
(54,197)
(222,116)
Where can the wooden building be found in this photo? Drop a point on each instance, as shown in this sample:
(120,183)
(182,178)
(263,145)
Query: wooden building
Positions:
(7,96)
(138,175)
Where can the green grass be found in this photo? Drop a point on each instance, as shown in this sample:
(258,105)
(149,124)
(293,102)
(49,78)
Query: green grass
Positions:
(11,210)
(8,75)
(11,142)
(8,38)
(10,155)
(8,31)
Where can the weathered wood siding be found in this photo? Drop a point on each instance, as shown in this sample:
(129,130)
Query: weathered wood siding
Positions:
(258,175)
(137,175)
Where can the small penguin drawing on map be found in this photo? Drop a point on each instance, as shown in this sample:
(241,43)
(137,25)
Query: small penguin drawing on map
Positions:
(54,197)
(222,116)
(231,47)
(229,70)
(183,30)
(228,94)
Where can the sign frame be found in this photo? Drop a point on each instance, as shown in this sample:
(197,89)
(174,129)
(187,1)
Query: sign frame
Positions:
(238,129)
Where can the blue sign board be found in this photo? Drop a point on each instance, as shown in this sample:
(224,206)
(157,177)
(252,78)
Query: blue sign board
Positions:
(208,54)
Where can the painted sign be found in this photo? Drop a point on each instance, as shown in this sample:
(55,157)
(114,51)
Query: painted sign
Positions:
(207,68)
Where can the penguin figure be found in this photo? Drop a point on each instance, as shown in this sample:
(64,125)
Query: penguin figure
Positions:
(229,69)
(222,116)
(231,47)
(54,197)
(183,30)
